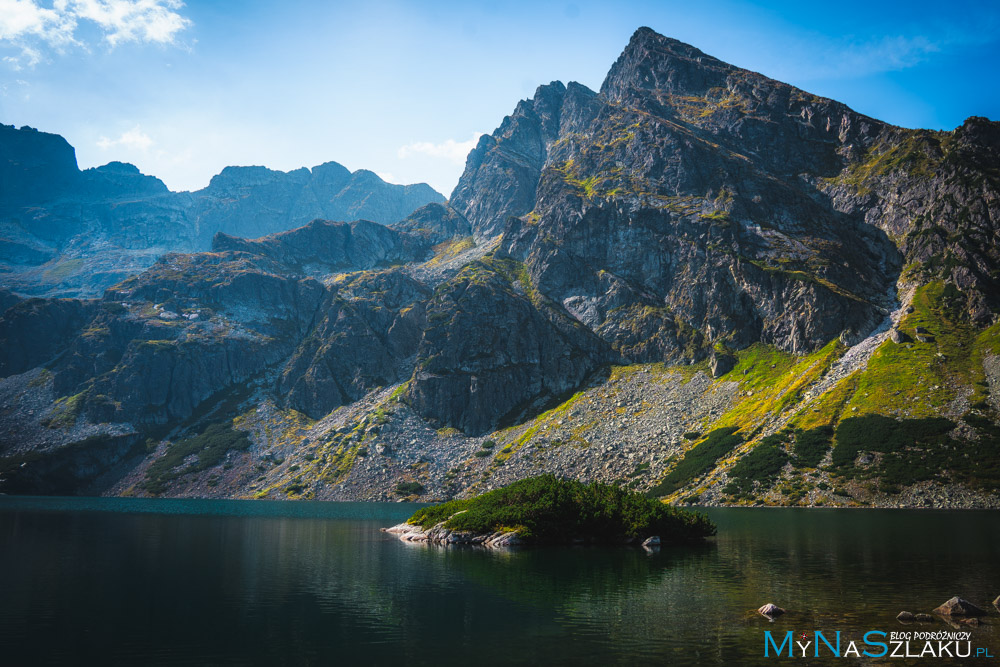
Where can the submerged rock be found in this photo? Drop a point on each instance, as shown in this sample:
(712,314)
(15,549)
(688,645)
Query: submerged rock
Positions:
(905,616)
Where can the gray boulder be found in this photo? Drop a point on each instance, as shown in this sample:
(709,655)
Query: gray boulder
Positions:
(721,364)
(771,610)
(959,607)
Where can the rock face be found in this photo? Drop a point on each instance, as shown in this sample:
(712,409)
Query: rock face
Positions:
(7,299)
(491,349)
(502,172)
(435,223)
(159,344)
(369,327)
(323,247)
(32,332)
(256,201)
(66,232)
(959,607)
(666,201)
(35,167)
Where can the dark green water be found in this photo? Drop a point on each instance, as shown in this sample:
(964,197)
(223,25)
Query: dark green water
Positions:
(148,582)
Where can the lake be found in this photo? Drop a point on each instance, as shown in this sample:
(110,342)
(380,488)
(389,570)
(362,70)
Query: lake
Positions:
(109,581)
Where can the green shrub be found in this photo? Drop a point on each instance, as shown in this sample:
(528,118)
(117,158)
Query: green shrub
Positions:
(913,450)
(698,460)
(409,488)
(811,446)
(692,435)
(548,510)
(762,466)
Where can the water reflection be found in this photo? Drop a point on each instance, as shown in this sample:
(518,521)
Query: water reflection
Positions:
(125,588)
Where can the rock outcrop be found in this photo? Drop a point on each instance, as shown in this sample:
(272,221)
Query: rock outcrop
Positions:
(34,331)
(957,606)
(370,327)
(323,247)
(443,536)
(493,349)
(435,223)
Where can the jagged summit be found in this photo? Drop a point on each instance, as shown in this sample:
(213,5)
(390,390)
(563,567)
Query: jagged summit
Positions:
(653,61)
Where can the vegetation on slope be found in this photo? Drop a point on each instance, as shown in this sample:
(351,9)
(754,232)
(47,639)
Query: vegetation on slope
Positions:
(210,447)
(549,510)
(900,452)
(698,460)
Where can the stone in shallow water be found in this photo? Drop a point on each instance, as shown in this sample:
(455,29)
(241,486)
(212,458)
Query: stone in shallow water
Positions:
(650,542)
(923,618)
(905,616)
(959,607)
(771,610)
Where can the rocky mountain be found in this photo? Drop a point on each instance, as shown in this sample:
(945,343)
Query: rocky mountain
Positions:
(697,281)
(67,232)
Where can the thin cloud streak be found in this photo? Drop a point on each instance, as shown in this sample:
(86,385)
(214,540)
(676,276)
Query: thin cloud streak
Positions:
(451,150)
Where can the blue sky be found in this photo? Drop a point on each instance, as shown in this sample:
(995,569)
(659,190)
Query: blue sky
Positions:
(404,88)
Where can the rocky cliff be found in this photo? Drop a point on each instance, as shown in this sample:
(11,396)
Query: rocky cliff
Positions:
(696,281)
(66,232)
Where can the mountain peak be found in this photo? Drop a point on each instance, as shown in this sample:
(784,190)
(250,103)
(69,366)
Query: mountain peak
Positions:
(653,61)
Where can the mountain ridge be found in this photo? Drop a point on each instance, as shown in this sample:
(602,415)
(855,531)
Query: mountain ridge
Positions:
(71,232)
(698,282)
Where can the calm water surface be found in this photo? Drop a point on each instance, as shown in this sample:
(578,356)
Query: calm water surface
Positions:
(170,582)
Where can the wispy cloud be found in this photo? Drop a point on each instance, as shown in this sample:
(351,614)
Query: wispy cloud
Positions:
(822,57)
(134,139)
(152,21)
(887,54)
(451,150)
(32,28)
